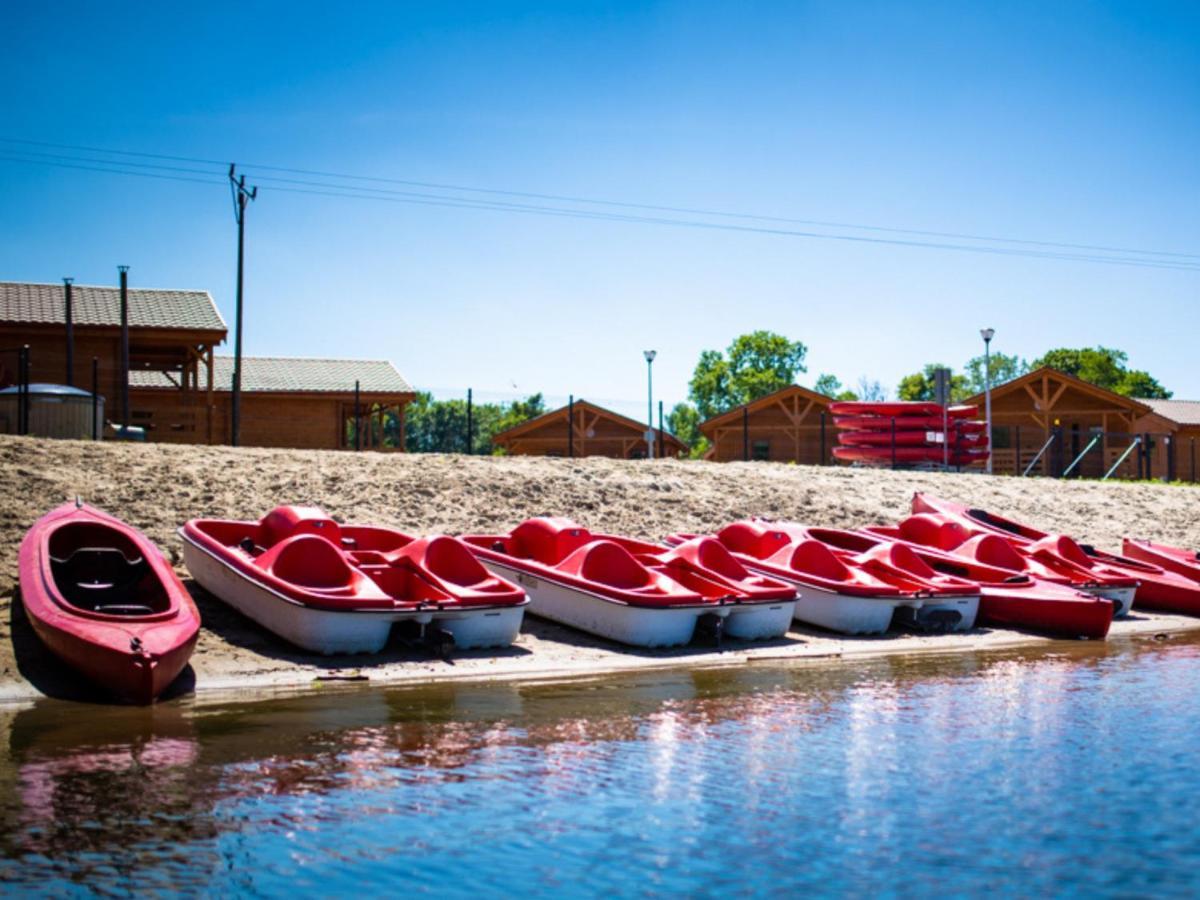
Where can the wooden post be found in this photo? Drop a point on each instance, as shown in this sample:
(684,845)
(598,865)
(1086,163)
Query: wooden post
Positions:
(470,400)
(357,420)
(745,434)
(1170,457)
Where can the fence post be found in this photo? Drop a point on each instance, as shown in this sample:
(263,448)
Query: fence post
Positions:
(470,403)
(660,429)
(1149,458)
(745,434)
(1170,458)
(894,441)
(1141,452)
(571,427)
(95,398)
(23,404)
(823,457)
(357,420)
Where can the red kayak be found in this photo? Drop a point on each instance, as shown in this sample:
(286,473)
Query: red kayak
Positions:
(1053,559)
(924,423)
(909,455)
(911,439)
(1158,588)
(105,601)
(1174,559)
(899,408)
(1016,600)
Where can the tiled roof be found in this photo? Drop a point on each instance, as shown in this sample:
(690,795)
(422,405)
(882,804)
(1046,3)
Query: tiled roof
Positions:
(294,374)
(1185,412)
(91,305)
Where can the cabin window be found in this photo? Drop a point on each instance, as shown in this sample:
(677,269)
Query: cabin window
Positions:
(760,451)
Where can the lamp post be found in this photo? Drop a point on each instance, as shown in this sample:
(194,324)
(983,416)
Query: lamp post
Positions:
(650,354)
(987,334)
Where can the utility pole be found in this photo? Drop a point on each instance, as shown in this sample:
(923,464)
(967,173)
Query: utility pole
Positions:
(70,318)
(241,197)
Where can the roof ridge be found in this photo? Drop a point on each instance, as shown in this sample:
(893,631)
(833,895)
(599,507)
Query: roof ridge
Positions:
(387,362)
(108,287)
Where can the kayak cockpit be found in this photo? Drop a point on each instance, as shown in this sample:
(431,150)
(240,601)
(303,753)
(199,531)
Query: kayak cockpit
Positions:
(100,570)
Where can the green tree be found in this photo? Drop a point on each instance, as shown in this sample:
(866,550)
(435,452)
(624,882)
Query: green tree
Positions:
(754,365)
(1104,367)
(1003,367)
(922,385)
(831,386)
(440,426)
(683,421)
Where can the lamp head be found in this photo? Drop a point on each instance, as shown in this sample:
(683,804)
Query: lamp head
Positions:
(650,354)
(987,334)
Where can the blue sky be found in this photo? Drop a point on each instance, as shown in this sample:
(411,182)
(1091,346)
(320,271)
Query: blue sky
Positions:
(1063,122)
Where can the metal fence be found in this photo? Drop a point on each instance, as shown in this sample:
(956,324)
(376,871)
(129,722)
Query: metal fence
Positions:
(1076,452)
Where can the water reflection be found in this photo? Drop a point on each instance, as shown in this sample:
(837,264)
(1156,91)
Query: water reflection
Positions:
(967,764)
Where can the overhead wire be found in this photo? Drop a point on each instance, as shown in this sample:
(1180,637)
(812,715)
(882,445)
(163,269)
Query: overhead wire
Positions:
(323,188)
(565,198)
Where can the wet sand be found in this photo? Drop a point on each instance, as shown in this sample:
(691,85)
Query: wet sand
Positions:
(156,487)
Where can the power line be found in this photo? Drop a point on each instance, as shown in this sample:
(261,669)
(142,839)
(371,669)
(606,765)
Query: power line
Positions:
(563,198)
(300,186)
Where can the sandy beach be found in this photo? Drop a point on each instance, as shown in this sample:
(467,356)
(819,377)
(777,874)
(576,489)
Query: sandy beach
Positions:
(156,487)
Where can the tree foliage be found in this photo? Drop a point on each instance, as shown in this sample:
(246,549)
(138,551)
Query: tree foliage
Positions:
(831,386)
(1106,368)
(1003,367)
(752,366)
(923,385)
(440,426)
(683,421)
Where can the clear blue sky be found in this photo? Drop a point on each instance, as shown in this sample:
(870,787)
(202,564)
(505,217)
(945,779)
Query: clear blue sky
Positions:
(1060,122)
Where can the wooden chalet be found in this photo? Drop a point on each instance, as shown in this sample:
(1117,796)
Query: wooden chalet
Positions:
(597,432)
(1029,411)
(179,390)
(789,425)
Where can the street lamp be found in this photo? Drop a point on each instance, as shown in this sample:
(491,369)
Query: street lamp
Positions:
(650,354)
(987,334)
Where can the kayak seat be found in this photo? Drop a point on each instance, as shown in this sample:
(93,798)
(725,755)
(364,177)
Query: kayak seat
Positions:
(752,539)
(309,561)
(284,522)
(993,550)
(816,559)
(605,562)
(450,560)
(897,556)
(930,531)
(711,554)
(1062,546)
(105,580)
(548,540)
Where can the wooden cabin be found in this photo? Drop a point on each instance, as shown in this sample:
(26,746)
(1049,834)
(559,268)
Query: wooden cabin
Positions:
(1060,416)
(597,432)
(178,389)
(286,402)
(1180,420)
(790,425)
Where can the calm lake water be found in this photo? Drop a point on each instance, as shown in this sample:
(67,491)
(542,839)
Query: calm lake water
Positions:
(1064,772)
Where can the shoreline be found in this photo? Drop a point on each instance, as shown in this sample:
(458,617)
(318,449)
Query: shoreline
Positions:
(156,487)
(541,655)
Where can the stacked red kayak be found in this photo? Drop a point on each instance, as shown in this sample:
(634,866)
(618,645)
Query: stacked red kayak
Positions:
(908,432)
